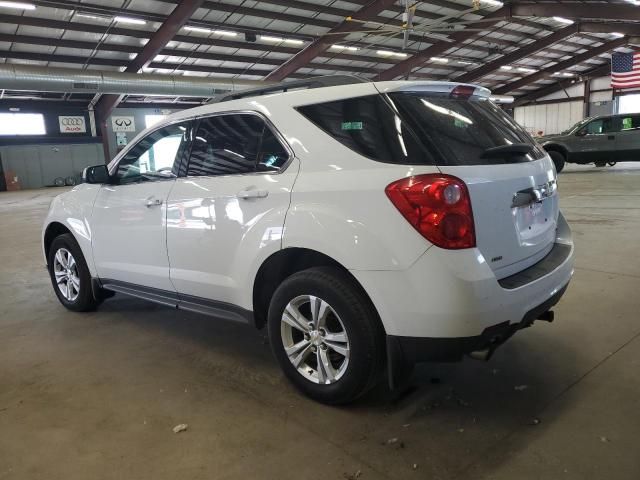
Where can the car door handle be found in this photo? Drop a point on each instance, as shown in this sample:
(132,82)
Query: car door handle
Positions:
(247,194)
(153,202)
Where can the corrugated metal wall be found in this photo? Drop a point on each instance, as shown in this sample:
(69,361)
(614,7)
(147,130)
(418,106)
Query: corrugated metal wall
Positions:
(38,166)
(550,118)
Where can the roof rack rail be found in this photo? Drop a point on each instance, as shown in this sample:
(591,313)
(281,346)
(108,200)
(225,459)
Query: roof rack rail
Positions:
(315,82)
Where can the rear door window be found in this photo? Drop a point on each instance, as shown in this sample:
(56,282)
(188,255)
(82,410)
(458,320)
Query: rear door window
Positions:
(630,122)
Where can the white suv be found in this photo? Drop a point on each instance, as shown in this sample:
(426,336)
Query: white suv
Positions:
(364,224)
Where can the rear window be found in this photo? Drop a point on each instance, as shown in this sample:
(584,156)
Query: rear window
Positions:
(419,128)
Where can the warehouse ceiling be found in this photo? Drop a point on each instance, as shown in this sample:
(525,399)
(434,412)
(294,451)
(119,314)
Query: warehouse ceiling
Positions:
(516,48)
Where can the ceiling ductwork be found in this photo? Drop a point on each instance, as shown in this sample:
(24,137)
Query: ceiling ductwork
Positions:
(66,80)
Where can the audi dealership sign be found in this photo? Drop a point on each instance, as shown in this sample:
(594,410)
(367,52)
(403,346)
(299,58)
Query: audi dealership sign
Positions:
(72,124)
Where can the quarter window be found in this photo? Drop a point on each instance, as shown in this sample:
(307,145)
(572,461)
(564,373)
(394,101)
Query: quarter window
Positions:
(235,144)
(370,127)
(154,157)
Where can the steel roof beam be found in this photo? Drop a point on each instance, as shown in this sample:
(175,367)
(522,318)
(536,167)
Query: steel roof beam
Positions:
(424,56)
(575,10)
(158,40)
(320,45)
(604,48)
(526,51)
(561,85)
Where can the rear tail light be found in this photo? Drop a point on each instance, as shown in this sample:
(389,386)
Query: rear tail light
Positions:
(438,206)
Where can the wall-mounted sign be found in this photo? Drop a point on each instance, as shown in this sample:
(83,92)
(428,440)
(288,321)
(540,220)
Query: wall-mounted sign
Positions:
(123,124)
(72,124)
(121,139)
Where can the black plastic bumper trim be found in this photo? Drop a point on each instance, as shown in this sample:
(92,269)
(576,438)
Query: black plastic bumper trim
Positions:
(556,257)
(404,352)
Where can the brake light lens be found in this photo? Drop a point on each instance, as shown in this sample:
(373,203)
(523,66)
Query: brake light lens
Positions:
(438,206)
(463,91)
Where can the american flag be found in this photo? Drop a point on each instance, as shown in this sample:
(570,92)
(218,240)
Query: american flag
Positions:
(625,70)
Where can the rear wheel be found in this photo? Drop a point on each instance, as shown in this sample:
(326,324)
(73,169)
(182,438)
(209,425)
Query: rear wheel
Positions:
(70,275)
(558,160)
(326,335)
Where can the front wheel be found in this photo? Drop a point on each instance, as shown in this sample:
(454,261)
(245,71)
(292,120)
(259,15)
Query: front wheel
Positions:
(326,335)
(558,160)
(70,275)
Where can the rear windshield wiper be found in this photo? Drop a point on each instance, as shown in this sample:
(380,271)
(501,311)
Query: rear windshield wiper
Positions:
(507,150)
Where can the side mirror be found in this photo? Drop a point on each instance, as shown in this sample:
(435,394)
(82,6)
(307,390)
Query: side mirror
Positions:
(96,174)
(581,133)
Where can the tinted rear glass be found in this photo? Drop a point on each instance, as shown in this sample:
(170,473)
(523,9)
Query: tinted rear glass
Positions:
(408,128)
(463,129)
(370,127)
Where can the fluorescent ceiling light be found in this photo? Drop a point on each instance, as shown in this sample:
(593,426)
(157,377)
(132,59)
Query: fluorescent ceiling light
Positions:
(197,29)
(89,15)
(226,33)
(464,62)
(566,21)
(526,70)
(506,67)
(268,38)
(617,34)
(345,47)
(439,59)
(388,53)
(134,21)
(493,3)
(18,5)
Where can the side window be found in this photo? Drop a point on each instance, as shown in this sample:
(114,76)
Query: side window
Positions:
(235,144)
(154,157)
(600,126)
(272,156)
(369,126)
(631,122)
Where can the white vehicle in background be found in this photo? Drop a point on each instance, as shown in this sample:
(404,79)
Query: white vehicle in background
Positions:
(364,224)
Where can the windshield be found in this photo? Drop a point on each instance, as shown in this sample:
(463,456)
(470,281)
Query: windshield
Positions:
(576,127)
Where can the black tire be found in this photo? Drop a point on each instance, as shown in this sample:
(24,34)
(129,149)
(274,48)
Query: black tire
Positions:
(84,301)
(600,164)
(558,160)
(360,321)
(611,164)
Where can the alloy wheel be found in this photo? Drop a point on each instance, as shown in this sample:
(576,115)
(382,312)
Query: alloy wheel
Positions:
(315,339)
(65,270)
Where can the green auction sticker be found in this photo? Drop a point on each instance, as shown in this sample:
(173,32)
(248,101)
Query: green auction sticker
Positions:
(352,126)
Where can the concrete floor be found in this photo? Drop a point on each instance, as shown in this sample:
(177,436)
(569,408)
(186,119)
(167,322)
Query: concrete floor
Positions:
(95,396)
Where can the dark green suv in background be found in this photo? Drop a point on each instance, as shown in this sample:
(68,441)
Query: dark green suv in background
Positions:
(600,140)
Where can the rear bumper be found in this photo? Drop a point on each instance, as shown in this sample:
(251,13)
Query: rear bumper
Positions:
(411,350)
(451,295)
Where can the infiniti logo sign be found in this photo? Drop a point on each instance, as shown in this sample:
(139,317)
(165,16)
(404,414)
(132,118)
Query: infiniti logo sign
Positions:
(123,124)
